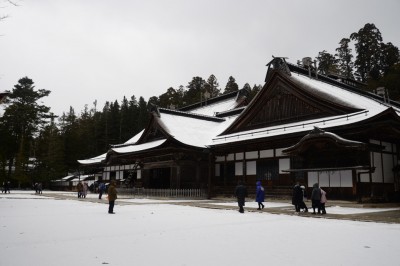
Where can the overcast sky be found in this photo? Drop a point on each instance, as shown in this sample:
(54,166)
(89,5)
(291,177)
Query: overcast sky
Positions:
(103,50)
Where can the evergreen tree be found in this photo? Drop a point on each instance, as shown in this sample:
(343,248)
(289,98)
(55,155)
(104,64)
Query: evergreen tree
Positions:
(231,85)
(50,159)
(391,81)
(22,119)
(212,85)
(170,99)
(72,141)
(195,91)
(180,94)
(368,47)
(256,88)
(345,58)
(114,123)
(143,115)
(126,127)
(389,56)
(327,63)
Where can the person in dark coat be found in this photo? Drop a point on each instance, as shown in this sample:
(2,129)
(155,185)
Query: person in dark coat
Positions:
(79,188)
(112,196)
(297,197)
(6,187)
(241,194)
(316,198)
(303,204)
(40,188)
(260,195)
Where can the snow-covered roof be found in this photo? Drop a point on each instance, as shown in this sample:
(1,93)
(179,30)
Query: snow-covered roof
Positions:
(139,147)
(198,125)
(214,108)
(93,160)
(369,107)
(338,95)
(68,177)
(134,139)
(98,159)
(193,131)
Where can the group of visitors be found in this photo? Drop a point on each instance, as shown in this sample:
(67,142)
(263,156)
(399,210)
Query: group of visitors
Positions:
(298,198)
(241,194)
(6,187)
(82,189)
(112,193)
(318,197)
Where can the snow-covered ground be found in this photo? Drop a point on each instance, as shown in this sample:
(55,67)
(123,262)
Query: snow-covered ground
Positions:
(36,230)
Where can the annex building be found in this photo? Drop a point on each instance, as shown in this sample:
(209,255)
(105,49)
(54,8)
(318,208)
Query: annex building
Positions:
(300,127)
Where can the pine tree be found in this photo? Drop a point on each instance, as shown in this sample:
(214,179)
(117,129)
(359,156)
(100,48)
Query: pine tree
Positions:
(195,91)
(327,63)
(345,58)
(231,85)
(22,119)
(368,47)
(212,85)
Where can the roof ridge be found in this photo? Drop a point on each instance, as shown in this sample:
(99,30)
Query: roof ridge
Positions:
(342,85)
(210,101)
(192,115)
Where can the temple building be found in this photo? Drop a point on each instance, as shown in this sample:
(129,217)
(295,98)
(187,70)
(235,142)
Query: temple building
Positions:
(300,127)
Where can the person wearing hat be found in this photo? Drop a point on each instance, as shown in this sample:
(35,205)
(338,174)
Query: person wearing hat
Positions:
(260,195)
(112,196)
(302,203)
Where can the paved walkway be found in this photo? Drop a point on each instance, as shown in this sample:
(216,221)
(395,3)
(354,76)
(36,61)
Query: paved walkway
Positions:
(379,212)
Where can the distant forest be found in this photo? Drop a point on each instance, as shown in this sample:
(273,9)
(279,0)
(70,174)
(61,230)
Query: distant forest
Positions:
(38,146)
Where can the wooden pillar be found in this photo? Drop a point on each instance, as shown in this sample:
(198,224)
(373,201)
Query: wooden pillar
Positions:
(178,176)
(210,174)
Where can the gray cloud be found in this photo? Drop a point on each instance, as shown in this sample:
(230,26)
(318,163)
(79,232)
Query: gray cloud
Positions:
(104,50)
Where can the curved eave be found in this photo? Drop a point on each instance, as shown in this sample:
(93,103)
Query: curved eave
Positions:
(323,136)
(138,147)
(93,161)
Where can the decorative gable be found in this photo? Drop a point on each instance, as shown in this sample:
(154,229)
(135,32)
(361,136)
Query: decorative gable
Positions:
(153,131)
(283,101)
(281,105)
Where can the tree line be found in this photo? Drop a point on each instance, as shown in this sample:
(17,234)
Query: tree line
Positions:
(38,146)
(35,145)
(375,63)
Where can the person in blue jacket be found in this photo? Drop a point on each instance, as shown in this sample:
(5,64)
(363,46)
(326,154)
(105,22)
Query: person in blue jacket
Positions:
(260,195)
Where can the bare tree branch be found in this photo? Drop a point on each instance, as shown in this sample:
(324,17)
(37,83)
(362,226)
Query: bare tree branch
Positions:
(12,3)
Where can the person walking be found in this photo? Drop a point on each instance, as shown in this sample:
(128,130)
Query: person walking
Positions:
(316,198)
(85,189)
(102,188)
(303,204)
(79,188)
(39,188)
(6,187)
(112,196)
(241,194)
(323,201)
(260,195)
(297,197)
